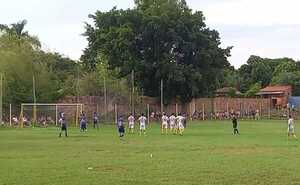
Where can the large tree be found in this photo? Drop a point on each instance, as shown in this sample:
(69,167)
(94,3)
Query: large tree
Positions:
(159,39)
(17,33)
(21,59)
(266,71)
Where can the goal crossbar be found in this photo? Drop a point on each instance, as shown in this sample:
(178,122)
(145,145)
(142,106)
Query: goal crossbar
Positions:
(52,104)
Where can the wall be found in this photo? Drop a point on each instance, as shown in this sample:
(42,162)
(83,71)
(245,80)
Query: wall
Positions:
(199,105)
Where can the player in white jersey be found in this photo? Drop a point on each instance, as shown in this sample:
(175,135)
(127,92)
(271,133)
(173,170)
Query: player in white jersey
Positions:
(131,123)
(164,124)
(291,127)
(180,124)
(172,121)
(142,120)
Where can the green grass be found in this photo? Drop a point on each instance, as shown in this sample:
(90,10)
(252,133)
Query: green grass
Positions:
(206,154)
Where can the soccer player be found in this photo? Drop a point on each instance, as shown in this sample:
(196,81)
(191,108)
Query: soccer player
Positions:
(164,124)
(96,120)
(235,125)
(64,126)
(172,119)
(257,117)
(142,120)
(15,120)
(291,127)
(185,120)
(83,123)
(121,128)
(131,123)
(180,124)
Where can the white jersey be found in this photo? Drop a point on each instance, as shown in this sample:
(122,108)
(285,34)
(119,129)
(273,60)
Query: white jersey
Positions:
(291,122)
(291,125)
(142,120)
(180,120)
(131,120)
(172,120)
(165,119)
(15,119)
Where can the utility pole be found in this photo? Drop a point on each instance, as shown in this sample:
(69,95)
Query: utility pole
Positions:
(34,99)
(105,100)
(1,95)
(77,85)
(161,96)
(132,92)
(77,97)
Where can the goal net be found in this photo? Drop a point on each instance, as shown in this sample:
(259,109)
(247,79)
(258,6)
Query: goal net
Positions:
(45,114)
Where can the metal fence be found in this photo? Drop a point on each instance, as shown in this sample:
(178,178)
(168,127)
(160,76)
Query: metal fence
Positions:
(197,109)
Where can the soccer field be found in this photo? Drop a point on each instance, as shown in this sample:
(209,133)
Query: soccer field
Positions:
(208,153)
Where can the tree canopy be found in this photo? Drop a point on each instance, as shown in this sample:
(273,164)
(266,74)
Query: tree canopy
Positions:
(21,60)
(157,39)
(265,71)
(161,39)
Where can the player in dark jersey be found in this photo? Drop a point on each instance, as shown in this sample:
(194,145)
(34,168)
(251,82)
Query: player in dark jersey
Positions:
(235,125)
(121,127)
(96,120)
(64,126)
(83,123)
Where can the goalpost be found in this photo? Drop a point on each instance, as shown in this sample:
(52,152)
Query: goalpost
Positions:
(35,113)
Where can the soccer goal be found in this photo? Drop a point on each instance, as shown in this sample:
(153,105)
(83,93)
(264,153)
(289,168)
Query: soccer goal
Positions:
(47,114)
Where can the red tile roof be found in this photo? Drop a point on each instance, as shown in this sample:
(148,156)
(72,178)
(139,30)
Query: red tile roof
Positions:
(276,88)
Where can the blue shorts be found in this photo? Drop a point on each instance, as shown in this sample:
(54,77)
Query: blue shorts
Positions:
(121,129)
(83,126)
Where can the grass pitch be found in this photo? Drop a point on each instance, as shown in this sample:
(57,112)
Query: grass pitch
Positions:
(208,153)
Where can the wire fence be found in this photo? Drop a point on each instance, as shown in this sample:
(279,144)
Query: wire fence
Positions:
(198,109)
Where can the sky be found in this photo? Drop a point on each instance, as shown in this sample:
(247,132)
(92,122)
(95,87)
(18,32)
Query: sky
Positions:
(268,28)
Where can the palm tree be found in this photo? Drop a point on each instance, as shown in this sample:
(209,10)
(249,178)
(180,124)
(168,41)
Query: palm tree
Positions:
(17,30)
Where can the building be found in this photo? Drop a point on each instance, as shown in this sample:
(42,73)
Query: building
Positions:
(279,95)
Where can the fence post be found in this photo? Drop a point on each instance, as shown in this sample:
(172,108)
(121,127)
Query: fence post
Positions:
(21,116)
(148,113)
(77,116)
(1,96)
(116,113)
(191,116)
(260,113)
(227,106)
(56,114)
(10,115)
(270,111)
(203,116)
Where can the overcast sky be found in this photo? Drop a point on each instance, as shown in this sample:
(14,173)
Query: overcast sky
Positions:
(268,28)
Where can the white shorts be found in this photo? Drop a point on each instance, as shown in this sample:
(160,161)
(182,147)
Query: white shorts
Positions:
(142,126)
(172,125)
(131,125)
(291,129)
(164,125)
(180,126)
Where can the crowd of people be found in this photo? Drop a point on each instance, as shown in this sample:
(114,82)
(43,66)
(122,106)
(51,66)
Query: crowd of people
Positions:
(225,115)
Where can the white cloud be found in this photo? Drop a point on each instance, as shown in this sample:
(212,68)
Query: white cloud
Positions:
(269,28)
(254,12)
